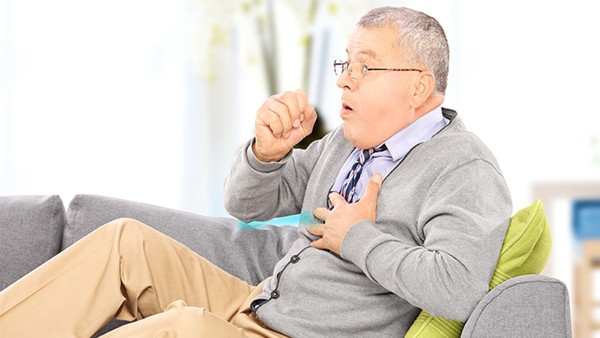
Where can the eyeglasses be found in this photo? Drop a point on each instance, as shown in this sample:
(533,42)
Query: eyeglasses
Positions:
(357,70)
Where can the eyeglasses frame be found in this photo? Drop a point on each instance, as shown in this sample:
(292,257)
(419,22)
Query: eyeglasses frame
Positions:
(346,65)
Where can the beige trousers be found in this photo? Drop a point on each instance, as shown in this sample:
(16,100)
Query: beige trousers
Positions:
(130,271)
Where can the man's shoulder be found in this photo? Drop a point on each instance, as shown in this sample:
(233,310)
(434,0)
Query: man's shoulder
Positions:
(456,142)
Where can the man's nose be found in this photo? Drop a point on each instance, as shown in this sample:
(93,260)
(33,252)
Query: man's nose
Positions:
(345,81)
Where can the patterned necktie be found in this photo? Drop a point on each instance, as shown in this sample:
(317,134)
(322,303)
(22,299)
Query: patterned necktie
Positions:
(349,185)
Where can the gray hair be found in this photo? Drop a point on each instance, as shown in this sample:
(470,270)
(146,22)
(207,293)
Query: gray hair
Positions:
(421,38)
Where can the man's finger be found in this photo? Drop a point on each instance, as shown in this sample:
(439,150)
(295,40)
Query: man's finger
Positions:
(321,213)
(272,121)
(284,111)
(308,119)
(290,100)
(302,100)
(302,103)
(372,189)
(317,230)
(319,244)
(336,199)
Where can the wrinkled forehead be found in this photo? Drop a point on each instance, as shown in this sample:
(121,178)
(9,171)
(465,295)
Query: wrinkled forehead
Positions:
(373,43)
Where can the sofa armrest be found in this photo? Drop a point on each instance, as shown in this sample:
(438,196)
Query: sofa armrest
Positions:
(31,230)
(524,306)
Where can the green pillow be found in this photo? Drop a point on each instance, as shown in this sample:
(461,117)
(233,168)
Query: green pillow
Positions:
(525,250)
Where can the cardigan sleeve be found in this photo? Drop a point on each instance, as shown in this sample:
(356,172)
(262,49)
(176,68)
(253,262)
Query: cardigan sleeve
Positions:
(258,191)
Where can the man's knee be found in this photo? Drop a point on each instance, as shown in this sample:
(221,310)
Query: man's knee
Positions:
(184,316)
(124,222)
(126,231)
(178,320)
(123,225)
(190,321)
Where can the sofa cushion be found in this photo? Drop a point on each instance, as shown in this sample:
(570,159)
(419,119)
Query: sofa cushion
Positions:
(525,250)
(31,230)
(246,252)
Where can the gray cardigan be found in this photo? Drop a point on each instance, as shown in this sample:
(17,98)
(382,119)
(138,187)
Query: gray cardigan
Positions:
(441,219)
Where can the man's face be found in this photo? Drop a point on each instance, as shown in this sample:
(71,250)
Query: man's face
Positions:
(377,106)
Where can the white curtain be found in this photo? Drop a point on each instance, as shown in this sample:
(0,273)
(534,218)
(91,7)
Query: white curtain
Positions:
(99,97)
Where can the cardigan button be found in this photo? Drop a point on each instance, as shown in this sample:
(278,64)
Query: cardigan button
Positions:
(294,259)
(274,294)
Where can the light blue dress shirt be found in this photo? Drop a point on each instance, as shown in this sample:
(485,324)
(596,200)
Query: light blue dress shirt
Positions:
(398,146)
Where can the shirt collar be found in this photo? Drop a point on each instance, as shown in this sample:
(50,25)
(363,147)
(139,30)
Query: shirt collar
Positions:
(417,132)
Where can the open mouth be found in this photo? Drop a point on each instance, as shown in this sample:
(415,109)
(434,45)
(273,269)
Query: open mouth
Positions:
(346,110)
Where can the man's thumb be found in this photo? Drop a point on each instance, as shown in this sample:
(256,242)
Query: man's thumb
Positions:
(373,187)
(309,118)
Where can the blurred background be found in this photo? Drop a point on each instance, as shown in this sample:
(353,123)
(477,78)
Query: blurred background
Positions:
(149,100)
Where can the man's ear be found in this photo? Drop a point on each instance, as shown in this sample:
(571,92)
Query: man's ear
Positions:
(423,89)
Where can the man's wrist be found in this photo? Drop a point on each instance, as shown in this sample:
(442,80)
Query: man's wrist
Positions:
(264,157)
(356,242)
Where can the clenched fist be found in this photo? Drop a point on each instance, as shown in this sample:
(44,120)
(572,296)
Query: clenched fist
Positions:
(281,122)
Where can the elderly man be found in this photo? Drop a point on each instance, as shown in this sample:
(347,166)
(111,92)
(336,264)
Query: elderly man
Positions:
(403,210)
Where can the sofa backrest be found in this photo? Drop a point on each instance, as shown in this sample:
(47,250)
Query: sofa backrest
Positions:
(247,253)
(35,228)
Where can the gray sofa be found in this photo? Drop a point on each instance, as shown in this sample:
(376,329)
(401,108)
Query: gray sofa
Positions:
(35,228)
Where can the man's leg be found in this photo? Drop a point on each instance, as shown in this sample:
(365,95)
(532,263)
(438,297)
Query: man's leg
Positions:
(123,268)
(179,320)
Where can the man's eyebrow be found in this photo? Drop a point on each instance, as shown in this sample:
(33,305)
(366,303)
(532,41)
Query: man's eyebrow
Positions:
(366,52)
